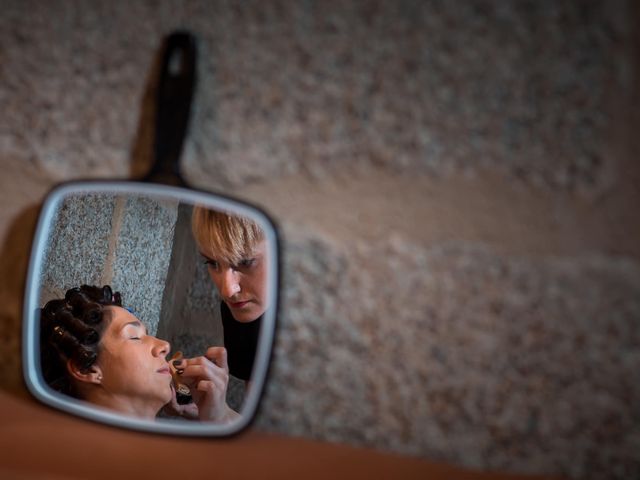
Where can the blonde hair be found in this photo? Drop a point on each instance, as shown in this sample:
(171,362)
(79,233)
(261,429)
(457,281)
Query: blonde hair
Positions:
(231,237)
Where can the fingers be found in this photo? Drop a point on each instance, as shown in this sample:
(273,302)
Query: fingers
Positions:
(173,408)
(218,355)
(200,373)
(208,377)
(201,368)
(213,405)
(212,392)
(174,401)
(214,355)
(207,386)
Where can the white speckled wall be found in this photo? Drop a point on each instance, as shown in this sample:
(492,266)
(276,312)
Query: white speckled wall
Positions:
(107,240)
(457,185)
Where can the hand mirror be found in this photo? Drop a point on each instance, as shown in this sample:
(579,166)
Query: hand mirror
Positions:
(127,276)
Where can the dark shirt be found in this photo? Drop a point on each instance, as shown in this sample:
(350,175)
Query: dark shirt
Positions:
(241,341)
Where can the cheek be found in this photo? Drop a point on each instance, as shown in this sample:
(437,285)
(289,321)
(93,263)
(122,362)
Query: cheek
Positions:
(118,360)
(215,279)
(259,286)
(106,358)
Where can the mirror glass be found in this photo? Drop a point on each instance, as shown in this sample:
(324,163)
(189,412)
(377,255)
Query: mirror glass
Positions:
(124,278)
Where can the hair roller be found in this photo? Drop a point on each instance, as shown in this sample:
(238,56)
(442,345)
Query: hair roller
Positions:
(92,314)
(70,331)
(107,295)
(72,295)
(64,341)
(84,358)
(52,307)
(117,299)
(90,337)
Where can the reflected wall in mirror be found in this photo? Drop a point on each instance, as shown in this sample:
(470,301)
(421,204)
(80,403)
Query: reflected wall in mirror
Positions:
(179,274)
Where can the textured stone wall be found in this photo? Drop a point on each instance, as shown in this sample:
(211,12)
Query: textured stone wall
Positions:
(77,250)
(106,240)
(457,185)
(143,250)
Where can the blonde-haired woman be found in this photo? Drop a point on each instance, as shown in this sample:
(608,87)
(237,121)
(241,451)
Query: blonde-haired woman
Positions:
(234,249)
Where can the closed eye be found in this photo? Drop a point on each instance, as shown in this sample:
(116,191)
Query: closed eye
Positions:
(135,329)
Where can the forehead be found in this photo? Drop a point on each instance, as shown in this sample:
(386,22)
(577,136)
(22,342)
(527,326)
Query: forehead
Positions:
(119,317)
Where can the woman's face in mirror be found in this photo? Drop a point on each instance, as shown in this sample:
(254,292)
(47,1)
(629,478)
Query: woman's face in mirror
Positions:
(242,285)
(132,365)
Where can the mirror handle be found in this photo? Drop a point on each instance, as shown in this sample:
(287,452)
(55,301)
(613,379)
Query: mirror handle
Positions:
(173,105)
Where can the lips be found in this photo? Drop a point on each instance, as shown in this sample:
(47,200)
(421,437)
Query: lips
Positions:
(164,370)
(238,304)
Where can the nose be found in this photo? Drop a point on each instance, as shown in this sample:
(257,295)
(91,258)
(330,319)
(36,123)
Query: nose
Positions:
(229,283)
(161,347)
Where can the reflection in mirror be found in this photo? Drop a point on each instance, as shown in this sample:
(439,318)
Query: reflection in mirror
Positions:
(153,304)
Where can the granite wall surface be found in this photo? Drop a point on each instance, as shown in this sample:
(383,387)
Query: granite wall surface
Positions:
(143,250)
(457,185)
(124,242)
(80,246)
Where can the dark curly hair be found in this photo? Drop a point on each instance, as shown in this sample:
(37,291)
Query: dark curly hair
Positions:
(70,329)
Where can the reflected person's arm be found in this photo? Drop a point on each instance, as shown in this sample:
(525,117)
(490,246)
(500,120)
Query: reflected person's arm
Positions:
(208,377)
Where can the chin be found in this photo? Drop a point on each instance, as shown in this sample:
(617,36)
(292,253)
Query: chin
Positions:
(164,396)
(245,317)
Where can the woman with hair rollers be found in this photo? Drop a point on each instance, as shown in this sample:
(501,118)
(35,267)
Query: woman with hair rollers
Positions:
(95,350)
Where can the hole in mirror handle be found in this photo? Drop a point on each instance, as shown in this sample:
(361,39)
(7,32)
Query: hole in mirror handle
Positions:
(174,94)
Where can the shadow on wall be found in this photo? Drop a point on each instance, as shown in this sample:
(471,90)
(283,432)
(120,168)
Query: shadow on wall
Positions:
(14,258)
(189,317)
